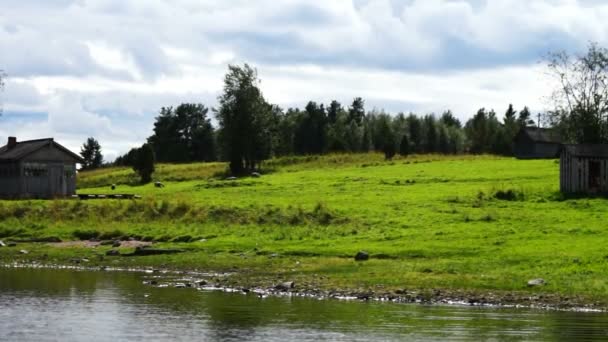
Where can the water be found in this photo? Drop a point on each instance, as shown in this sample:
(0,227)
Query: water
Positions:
(53,305)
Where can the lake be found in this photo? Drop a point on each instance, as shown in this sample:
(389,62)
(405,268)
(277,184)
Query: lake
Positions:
(61,305)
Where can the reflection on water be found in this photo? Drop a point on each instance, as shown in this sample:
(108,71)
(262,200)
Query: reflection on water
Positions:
(51,305)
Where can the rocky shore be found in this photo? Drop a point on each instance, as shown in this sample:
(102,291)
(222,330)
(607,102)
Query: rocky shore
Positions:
(231,282)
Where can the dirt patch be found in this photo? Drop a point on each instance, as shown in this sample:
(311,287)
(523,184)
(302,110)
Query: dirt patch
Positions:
(94,244)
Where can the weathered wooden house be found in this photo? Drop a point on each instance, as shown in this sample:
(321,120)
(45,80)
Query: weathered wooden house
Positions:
(37,169)
(584,168)
(537,143)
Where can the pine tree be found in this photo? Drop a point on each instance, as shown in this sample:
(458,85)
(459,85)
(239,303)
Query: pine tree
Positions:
(404,147)
(356,112)
(91,153)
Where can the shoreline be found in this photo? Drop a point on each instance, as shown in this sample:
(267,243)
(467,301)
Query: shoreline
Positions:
(229,283)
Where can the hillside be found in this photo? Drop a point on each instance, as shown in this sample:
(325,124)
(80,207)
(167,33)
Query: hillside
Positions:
(428,222)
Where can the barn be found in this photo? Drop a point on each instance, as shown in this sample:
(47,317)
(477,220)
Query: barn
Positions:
(537,143)
(37,169)
(584,168)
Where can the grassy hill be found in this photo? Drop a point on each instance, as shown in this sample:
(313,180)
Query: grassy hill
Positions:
(478,223)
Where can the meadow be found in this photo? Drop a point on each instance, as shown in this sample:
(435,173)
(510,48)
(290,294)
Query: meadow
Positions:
(473,223)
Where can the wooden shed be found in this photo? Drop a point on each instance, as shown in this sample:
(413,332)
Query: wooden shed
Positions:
(37,169)
(584,169)
(536,143)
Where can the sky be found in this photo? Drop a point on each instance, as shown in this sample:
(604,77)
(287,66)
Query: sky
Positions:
(104,68)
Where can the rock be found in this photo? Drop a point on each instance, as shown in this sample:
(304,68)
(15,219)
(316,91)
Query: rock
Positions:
(286,286)
(116,243)
(180,285)
(231,178)
(536,282)
(112,252)
(106,243)
(159,184)
(362,256)
(256,175)
(201,283)
(11,244)
(23,251)
(2,244)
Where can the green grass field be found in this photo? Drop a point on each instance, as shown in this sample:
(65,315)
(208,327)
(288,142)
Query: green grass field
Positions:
(477,223)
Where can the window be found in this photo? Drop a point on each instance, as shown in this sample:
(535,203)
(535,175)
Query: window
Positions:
(34,170)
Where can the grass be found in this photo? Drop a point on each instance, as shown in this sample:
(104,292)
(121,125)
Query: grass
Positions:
(478,223)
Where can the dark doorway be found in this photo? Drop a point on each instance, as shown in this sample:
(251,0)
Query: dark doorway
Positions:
(594,175)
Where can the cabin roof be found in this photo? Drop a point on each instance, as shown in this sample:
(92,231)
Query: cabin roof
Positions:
(587,150)
(24,148)
(542,135)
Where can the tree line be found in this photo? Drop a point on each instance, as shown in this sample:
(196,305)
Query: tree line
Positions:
(250,129)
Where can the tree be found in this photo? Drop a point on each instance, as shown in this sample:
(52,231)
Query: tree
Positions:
(430,127)
(127,159)
(356,112)
(477,129)
(415,132)
(444,140)
(511,127)
(388,142)
(91,154)
(525,118)
(144,163)
(333,111)
(449,120)
(404,146)
(310,137)
(183,134)
(581,96)
(245,120)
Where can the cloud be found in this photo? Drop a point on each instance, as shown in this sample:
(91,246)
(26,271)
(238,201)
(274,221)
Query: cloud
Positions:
(105,67)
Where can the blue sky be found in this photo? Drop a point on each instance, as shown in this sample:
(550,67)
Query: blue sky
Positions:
(79,68)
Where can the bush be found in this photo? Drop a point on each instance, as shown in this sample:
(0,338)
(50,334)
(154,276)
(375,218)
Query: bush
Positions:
(85,234)
(509,195)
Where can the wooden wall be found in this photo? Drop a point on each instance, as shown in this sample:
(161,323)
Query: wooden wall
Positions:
(523,149)
(9,180)
(37,180)
(574,174)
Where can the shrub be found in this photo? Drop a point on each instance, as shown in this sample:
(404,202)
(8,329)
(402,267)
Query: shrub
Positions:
(509,195)
(85,234)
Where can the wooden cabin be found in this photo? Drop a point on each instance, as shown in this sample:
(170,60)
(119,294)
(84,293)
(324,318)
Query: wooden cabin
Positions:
(584,169)
(537,143)
(37,169)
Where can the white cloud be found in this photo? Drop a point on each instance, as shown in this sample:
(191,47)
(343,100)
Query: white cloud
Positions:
(94,67)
